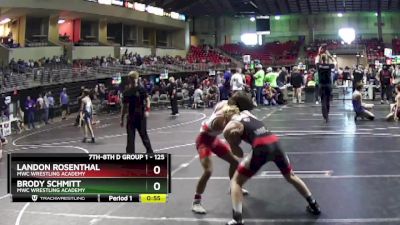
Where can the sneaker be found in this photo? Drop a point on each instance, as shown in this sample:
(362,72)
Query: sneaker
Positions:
(382,102)
(198,208)
(387,102)
(314,209)
(234,222)
(84,140)
(92,141)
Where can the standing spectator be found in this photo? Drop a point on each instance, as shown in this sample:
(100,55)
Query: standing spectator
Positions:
(236,82)
(271,77)
(50,100)
(385,78)
(172,92)
(227,84)
(136,103)
(259,83)
(30,110)
(197,97)
(358,77)
(248,79)
(40,108)
(64,101)
(282,78)
(46,108)
(297,81)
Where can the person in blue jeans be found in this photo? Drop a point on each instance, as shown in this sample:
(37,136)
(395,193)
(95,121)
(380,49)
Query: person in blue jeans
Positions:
(30,110)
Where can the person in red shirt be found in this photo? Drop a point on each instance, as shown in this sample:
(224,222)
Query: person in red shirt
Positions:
(248,79)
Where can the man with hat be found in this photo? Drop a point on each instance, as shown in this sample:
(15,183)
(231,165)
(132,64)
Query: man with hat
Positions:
(136,103)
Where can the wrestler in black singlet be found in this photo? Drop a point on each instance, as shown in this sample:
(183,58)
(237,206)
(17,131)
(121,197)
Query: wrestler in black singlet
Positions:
(265,148)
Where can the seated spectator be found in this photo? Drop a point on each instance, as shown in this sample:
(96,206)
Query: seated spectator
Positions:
(394,108)
(360,108)
(270,95)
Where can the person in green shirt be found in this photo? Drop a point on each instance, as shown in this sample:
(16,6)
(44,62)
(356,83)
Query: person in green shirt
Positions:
(259,77)
(271,77)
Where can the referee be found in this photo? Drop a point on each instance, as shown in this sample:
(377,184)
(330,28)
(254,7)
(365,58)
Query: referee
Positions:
(136,103)
(325,84)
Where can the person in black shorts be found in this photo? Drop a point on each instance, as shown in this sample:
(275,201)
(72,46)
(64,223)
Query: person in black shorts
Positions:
(325,84)
(136,103)
(358,77)
(386,78)
(265,148)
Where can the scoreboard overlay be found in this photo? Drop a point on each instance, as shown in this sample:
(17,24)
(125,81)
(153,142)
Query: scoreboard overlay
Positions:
(76,177)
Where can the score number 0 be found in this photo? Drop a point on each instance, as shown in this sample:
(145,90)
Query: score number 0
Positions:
(156,185)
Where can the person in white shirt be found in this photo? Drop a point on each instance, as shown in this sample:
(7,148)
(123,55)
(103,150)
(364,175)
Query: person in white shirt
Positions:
(237,83)
(197,97)
(40,108)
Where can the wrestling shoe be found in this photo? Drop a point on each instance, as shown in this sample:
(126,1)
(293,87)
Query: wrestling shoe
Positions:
(314,209)
(198,208)
(234,222)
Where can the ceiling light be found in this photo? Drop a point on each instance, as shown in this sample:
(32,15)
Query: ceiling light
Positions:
(277,17)
(61,21)
(252,19)
(348,35)
(340,14)
(376,14)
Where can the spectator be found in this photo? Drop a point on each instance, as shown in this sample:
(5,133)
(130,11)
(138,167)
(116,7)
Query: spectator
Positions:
(358,76)
(46,108)
(259,77)
(282,78)
(236,82)
(50,100)
(64,101)
(40,108)
(297,81)
(197,97)
(385,78)
(271,77)
(30,110)
(269,95)
(172,92)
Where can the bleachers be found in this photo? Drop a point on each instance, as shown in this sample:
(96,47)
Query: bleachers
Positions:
(205,54)
(269,54)
(374,48)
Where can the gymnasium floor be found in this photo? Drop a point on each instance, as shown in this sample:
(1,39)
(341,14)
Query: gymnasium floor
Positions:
(352,169)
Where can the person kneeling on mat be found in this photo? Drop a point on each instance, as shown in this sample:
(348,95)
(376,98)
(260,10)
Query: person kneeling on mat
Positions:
(360,108)
(395,108)
(265,148)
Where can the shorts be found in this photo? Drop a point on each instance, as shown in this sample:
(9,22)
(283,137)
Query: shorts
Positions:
(87,117)
(260,156)
(206,144)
